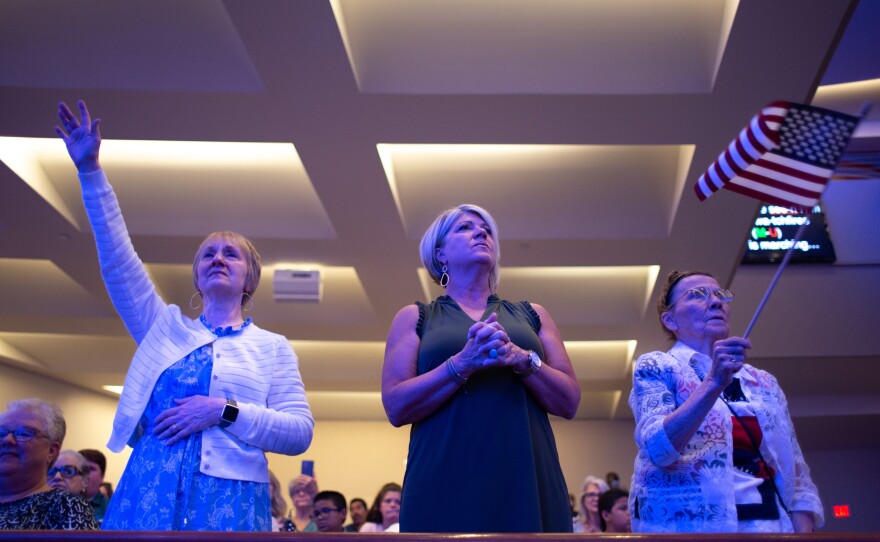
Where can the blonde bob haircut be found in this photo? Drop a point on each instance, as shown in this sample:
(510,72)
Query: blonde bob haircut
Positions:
(251,256)
(435,237)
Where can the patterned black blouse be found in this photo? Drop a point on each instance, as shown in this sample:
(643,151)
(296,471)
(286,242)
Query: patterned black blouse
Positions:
(55,509)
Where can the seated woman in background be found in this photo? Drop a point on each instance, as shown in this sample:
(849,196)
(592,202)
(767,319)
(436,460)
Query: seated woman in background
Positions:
(204,399)
(717,450)
(384,515)
(31,433)
(70,472)
(302,490)
(614,511)
(589,520)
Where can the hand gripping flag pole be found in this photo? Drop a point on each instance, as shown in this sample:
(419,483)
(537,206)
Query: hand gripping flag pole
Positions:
(785,157)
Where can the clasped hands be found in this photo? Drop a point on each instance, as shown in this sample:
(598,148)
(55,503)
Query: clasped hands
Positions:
(483,338)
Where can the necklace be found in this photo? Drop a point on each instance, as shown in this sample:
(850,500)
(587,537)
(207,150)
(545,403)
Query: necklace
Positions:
(221,331)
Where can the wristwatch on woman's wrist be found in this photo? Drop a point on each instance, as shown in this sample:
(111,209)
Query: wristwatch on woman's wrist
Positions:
(534,365)
(230,413)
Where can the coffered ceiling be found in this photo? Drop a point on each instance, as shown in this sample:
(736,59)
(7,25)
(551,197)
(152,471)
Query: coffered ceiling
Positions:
(332,132)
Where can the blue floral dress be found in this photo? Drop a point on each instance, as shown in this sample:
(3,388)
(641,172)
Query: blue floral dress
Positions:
(162,488)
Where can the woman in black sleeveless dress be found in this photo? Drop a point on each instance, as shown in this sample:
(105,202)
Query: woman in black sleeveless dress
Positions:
(476,376)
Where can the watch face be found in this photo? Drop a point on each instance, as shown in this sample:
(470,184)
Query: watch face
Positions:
(230,413)
(534,359)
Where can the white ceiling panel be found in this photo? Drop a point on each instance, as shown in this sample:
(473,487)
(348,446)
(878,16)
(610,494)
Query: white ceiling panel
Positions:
(160,45)
(89,355)
(575,295)
(344,299)
(39,287)
(542,191)
(598,405)
(189,188)
(600,360)
(333,132)
(521,46)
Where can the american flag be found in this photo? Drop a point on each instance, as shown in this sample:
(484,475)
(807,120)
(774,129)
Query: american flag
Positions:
(785,156)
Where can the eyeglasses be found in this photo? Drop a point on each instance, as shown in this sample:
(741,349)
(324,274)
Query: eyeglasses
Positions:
(22,434)
(67,471)
(318,512)
(701,293)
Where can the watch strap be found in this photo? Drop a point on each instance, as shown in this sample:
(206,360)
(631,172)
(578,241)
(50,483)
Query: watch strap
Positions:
(534,365)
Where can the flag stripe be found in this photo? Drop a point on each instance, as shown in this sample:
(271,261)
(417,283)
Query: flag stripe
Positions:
(774,157)
(767,191)
(761,175)
(783,163)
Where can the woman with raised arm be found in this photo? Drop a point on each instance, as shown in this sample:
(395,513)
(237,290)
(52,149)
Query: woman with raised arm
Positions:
(477,376)
(717,450)
(203,399)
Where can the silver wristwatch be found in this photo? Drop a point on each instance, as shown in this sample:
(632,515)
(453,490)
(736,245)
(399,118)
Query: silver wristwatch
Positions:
(534,365)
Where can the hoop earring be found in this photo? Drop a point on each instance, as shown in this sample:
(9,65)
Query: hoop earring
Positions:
(444,278)
(250,306)
(198,293)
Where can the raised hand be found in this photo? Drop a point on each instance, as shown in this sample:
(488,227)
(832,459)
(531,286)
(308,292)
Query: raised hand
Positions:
(83,139)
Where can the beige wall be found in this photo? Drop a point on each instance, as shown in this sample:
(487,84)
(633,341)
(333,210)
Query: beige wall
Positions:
(354,457)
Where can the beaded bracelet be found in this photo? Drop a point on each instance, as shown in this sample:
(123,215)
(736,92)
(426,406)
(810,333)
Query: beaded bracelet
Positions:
(453,374)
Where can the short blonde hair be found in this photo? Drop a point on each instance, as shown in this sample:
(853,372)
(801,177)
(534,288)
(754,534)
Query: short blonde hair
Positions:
(436,234)
(251,256)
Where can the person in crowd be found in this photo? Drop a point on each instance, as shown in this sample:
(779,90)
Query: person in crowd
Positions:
(279,506)
(106,490)
(97,469)
(31,434)
(357,508)
(384,514)
(717,451)
(613,480)
(589,521)
(302,491)
(471,360)
(70,472)
(204,399)
(329,511)
(614,511)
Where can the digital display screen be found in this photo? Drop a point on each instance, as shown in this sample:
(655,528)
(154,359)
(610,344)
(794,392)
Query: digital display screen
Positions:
(774,230)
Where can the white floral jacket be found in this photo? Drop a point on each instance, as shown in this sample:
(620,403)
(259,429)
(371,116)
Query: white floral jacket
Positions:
(692,490)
